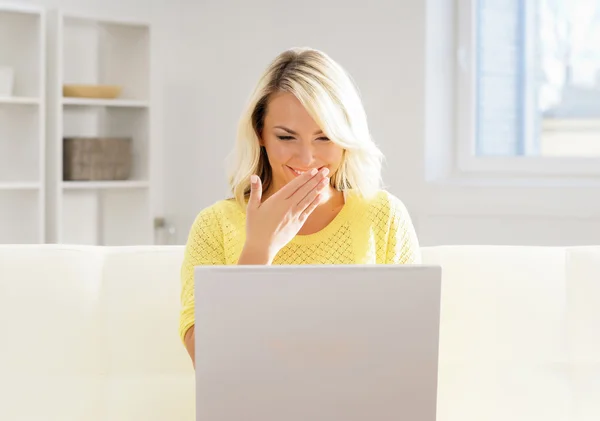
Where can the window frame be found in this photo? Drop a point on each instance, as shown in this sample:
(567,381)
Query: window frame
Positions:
(467,162)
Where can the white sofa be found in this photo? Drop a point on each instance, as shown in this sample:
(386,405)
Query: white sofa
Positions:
(90,333)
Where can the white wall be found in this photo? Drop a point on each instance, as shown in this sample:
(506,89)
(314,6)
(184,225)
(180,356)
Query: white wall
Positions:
(385,45)
(380,44)
(209,53)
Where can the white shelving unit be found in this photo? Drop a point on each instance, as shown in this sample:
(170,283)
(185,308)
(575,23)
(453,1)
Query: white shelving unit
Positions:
(22,125)
(98,51)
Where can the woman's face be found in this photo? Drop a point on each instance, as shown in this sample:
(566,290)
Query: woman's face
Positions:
(293,141)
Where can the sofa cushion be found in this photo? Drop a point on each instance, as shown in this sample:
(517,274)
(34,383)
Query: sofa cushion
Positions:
(502,333)
(150,375)
(583,320)
(502,303)
(52,361)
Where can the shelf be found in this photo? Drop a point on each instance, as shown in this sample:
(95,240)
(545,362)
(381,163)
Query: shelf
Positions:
(21,140)
(22,124)
(84,102)
(22,42)
(96,185)
(101,52)
(19,100)
(112,122)
(91,50)
(19,8)
(21,219)
(111,217)
(71,16)
(19,186)
(36,205)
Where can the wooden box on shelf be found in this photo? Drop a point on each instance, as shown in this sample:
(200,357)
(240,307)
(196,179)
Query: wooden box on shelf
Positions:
(89,158)
(92,91)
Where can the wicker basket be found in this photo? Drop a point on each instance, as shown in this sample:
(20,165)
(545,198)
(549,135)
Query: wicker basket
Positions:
(86,159)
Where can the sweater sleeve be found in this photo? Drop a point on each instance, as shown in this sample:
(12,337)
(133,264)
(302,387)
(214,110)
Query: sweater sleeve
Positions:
(204,247)
(403,244)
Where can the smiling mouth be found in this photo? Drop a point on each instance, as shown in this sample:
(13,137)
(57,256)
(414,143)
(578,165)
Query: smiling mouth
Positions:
(300,172)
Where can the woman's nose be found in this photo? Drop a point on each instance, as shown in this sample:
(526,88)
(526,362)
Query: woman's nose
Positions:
(305,156)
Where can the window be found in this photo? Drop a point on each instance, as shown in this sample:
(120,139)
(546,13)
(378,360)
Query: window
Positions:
(529,85)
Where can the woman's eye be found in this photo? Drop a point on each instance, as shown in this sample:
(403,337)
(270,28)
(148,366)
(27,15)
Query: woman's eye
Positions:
(283,137)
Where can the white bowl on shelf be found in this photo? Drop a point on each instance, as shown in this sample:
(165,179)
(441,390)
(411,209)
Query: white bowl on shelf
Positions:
(7,78)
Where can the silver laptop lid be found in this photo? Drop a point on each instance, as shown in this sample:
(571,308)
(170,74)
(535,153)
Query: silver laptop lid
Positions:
(318,343)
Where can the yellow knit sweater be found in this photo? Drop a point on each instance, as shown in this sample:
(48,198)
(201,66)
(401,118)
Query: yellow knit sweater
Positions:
(374,231)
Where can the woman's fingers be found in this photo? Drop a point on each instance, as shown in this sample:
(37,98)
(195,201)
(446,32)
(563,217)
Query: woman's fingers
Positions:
(311,195)
(310,208)
(292,187)
(255,191)
(309,186)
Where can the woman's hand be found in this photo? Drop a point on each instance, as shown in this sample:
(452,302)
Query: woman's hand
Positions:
(273,224)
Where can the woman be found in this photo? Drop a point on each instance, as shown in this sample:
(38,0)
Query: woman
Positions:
(306,182)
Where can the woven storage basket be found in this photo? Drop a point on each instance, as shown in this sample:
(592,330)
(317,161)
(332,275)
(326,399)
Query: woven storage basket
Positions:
(88,158)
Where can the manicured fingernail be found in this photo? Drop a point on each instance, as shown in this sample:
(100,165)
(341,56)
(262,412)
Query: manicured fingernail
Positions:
(325,171)
(313,171)
(254,179)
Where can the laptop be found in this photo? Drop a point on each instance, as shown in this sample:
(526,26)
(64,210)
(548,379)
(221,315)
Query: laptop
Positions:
(317,343)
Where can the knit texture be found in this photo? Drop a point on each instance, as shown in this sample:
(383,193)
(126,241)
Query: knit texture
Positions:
(374,231)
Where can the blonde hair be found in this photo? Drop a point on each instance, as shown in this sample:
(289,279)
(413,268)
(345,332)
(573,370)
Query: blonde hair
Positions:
(331,99)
